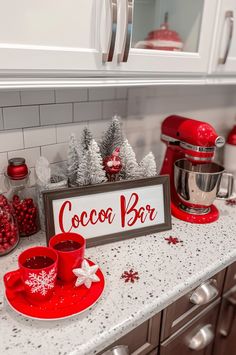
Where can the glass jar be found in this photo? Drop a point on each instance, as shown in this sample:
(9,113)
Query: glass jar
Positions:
(9,233)
(21,197)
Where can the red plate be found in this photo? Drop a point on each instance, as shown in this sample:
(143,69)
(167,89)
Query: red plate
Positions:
(67,300)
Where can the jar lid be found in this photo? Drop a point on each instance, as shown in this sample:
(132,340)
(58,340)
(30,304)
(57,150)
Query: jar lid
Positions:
(16,161)
(17,169)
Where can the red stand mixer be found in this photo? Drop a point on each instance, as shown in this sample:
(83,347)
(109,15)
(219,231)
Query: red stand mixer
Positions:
(194,178)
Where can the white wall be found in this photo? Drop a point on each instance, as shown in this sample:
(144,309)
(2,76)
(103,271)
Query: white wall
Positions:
(34,123)
(147,107)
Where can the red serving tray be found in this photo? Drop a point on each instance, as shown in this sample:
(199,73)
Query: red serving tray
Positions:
(67,300)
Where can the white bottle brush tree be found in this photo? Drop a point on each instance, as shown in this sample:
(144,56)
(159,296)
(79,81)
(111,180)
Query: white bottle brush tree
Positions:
(72,159)
(148,166)
(130,168)
(86,139)
(91,170)
(112,138)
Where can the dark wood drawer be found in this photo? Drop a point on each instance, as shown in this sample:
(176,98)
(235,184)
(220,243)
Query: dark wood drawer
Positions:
(225,342)
(230,280)
(179,342)
(183,310)
(142,340)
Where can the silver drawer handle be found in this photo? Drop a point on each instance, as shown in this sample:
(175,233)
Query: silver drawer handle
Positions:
(107,57)
(205,293)
(229,16)
(123,56)
(202,338)
(118,350)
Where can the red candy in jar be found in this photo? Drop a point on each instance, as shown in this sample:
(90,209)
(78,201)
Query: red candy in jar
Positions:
(9,234)
(24,206)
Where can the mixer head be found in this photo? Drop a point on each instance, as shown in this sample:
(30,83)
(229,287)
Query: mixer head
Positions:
(195,139)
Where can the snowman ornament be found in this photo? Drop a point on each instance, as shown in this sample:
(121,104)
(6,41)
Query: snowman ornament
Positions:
(112,165)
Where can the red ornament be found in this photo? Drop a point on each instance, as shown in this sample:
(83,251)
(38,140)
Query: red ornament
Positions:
(112,164)
(173,240)
(130,276)
(231,202)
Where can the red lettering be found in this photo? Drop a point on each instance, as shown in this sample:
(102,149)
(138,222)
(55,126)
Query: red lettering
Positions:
(61,215)
(130,210)
(125,210)
(84,218)
(152,212)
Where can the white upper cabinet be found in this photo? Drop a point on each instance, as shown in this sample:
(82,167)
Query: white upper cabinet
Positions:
(224,53)
(53,35)
(47,42)
(166,36)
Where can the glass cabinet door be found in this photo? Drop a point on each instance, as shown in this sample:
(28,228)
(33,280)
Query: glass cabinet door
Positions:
(171,36)
(170,25)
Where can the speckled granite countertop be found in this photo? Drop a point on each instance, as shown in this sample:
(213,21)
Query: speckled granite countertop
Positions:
(166,272)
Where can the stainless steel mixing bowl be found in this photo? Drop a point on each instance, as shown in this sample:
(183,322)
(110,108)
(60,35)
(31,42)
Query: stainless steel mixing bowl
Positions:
(198,185)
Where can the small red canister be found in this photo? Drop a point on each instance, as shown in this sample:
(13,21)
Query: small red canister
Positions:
(17,169)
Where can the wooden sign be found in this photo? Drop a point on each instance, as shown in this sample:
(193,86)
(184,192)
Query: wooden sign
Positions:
(110,212)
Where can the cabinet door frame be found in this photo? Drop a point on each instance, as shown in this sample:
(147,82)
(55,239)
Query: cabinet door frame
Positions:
(56,61)
(170,63)
(218,44)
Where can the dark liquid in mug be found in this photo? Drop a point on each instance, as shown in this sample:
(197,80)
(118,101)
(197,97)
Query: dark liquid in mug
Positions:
(67,245)
(38,262)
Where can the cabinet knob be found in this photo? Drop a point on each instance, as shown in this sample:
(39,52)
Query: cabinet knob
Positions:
(118,350)
(205,293)
(202,338)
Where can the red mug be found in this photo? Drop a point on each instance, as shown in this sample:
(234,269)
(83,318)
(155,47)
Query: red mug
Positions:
(36,275)
(70,259)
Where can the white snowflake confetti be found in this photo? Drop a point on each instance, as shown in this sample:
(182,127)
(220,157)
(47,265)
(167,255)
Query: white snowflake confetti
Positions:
(86,274)
(42,282)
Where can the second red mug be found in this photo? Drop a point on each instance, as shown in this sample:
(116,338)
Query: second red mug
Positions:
(70,249)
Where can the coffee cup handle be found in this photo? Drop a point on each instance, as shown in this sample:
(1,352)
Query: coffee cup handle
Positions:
(230,185)
(13,283)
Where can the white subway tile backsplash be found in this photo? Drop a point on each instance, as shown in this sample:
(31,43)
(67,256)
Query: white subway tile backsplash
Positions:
(102,94)
(3,184)
(66,111)
(1,120)
(30,97)
(121,93)
(71,95)
(97,128)
(111,108)
(3,162)
(11,140)
(64,131)
(20,116)
(35,137)
(55,114)
(9,98)
(30,155)
(85,111)
(55,152)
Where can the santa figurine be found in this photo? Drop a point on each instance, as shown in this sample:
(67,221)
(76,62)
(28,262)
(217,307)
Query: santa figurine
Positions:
(112,165)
